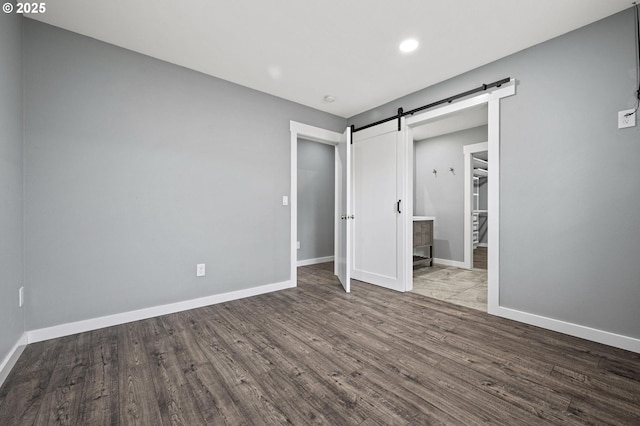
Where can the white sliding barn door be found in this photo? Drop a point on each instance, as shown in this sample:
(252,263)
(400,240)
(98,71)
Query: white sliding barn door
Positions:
(379,207)
(343,211)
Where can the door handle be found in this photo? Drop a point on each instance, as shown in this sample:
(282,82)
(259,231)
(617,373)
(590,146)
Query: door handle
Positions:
(398,206)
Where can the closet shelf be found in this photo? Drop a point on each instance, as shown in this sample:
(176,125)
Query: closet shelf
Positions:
(481,172)
(481,162)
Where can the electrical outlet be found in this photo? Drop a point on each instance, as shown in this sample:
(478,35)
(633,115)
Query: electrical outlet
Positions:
(627,118)
(21,297)
(200,270)
(298,245)
(285,200)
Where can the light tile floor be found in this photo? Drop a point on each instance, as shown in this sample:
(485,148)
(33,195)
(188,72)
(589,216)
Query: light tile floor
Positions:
(454,285)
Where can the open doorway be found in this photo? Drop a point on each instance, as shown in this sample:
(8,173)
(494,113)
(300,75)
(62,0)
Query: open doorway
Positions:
(442,185)
(336,142)
(316,202)
(477,163)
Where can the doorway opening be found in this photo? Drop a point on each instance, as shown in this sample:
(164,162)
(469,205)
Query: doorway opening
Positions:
(441,186)
(312,134)
(316,202)
(477,175)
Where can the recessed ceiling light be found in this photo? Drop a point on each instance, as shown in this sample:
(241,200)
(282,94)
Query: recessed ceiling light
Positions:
(275,72)
(408,45)
(329,99)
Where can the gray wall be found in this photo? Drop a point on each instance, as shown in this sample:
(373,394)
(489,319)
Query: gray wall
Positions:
(11,218)
(570,238)
(137,170)
(316,199)
(442,195)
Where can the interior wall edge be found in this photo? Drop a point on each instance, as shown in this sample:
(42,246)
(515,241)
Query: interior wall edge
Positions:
(447,262)
(576,330)
(315,261)
(12,357)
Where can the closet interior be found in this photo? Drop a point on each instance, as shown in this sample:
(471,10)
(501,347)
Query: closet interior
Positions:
(479,213)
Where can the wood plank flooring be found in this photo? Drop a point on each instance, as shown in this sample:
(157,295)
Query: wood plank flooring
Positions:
(480,258)
(315,355)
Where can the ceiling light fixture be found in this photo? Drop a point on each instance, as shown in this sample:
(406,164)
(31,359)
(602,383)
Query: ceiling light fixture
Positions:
(408,45)
(329,99)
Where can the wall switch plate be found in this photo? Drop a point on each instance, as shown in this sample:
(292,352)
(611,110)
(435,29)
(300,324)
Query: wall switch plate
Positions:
(21,297)
(298,245)
(625,120)
(200,270)
(285,200)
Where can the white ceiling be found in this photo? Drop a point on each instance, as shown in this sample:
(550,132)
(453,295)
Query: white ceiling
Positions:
(302,50)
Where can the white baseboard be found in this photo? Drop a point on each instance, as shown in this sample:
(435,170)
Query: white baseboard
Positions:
(315,261)
(482,245)
(588,333)
(447,262)
(125,317)
(12,357)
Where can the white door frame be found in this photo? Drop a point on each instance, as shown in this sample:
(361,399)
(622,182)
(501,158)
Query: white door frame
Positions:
(468,150)
(315,134)
(492,99)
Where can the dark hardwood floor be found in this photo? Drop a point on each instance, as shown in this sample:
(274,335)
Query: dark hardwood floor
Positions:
(314,354)
(480,258)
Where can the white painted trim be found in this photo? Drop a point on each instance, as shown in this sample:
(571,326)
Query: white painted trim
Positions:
(468,150)
(125,317)
(493,207)
(485,245)
(336,207)
(12,357)
(447,262)
(293,203)
(476,147)
(576,330)
(307,262)
(315,134)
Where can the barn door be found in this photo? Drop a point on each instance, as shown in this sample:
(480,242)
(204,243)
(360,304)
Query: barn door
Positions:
(379,207)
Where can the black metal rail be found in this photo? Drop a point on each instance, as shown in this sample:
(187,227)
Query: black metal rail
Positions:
(448,100)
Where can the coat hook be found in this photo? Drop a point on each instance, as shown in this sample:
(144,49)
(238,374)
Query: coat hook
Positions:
(435,172)
(451,170)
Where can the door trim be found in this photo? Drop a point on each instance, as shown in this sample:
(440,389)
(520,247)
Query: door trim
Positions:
(314,134)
